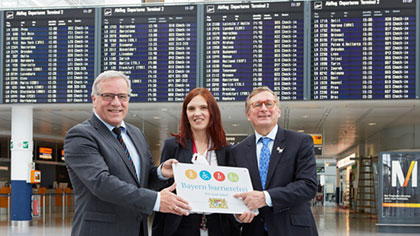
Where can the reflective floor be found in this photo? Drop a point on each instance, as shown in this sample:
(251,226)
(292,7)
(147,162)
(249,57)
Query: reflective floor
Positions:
(54,226)
(331,221)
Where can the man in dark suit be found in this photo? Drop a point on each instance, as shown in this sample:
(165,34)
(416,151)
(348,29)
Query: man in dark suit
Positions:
(111,168)
(282,167)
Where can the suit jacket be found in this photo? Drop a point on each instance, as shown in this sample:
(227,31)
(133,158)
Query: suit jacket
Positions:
(167,224)
(109,198)
(291,183)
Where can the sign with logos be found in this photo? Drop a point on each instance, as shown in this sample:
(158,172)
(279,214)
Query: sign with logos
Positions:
(45,153)
(318,150)
(21,145)
(400,177)
(61,157)
(210,189)
(317,139)
(329,188)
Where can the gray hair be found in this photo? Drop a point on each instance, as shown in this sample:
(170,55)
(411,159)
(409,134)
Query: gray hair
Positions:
(107,75)
(257,91)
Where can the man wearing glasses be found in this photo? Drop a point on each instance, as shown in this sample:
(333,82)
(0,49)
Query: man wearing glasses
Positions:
(111,168)
(283,172)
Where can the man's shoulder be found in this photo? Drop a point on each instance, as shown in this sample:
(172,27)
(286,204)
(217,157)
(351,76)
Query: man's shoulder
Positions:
(83,126)
(243,143)
(79,133)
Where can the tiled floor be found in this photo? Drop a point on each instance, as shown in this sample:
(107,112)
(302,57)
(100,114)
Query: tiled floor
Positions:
(330,220)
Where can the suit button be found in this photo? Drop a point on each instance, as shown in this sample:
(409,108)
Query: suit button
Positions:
(261,220)
(138,218)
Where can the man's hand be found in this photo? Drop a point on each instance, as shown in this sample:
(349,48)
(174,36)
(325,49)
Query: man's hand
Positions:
(253,200)
(172,203)
(167,170)
(245,217)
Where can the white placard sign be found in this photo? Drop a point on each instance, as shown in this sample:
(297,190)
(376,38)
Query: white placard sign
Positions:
(210,189)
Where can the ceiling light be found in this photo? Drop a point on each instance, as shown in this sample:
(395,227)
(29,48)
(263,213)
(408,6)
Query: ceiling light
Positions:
(156,117)
(371,123)
(235,125)
(305,116)
(164,109)
(300,130)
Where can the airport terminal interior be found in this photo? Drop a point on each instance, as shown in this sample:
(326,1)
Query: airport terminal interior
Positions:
(346,73)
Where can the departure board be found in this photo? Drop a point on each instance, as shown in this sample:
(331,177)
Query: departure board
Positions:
(156,46)
(248,45)
(364,49)
(49,55)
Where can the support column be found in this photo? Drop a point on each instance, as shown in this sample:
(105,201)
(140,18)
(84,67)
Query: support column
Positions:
(21,147)
(337,186)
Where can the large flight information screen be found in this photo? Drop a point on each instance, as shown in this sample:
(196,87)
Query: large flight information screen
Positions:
(156,46)
(364,49)
(248,45)
(49,55)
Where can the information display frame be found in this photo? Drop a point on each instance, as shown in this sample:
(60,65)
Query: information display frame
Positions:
(363,50)
(156,46)
(48,55)
(248,45)
(217,57)
(398,192)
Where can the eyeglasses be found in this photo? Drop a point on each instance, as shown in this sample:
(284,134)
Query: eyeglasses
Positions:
(123,97)
(269,104)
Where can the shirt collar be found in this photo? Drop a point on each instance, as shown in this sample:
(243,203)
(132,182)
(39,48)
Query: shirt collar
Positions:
(110,127)
(271,135)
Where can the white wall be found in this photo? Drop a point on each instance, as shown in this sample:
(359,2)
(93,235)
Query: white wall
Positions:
(396,138)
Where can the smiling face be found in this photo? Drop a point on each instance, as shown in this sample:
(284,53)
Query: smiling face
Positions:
(198,113)
(262,118)
(112,112)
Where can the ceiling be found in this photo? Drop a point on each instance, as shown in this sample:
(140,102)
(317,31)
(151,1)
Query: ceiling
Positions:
(343,124)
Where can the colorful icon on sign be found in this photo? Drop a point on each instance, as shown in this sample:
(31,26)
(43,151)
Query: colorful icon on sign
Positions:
(219,176)
(205,175)
(191,174)
(233,177)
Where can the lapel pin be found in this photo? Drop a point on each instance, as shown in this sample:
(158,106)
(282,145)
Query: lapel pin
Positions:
(280,150)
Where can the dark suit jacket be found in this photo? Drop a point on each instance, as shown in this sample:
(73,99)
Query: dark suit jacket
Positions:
(291,183)
(109,198)
(167,224)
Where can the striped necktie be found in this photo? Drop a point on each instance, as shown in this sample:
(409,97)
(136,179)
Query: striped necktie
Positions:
(264,159)
(117,131)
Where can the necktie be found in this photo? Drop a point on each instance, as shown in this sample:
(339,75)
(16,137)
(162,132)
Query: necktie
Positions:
(264,160)
(117,131)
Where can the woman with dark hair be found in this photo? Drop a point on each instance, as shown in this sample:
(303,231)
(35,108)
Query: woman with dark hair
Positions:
(200,140)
